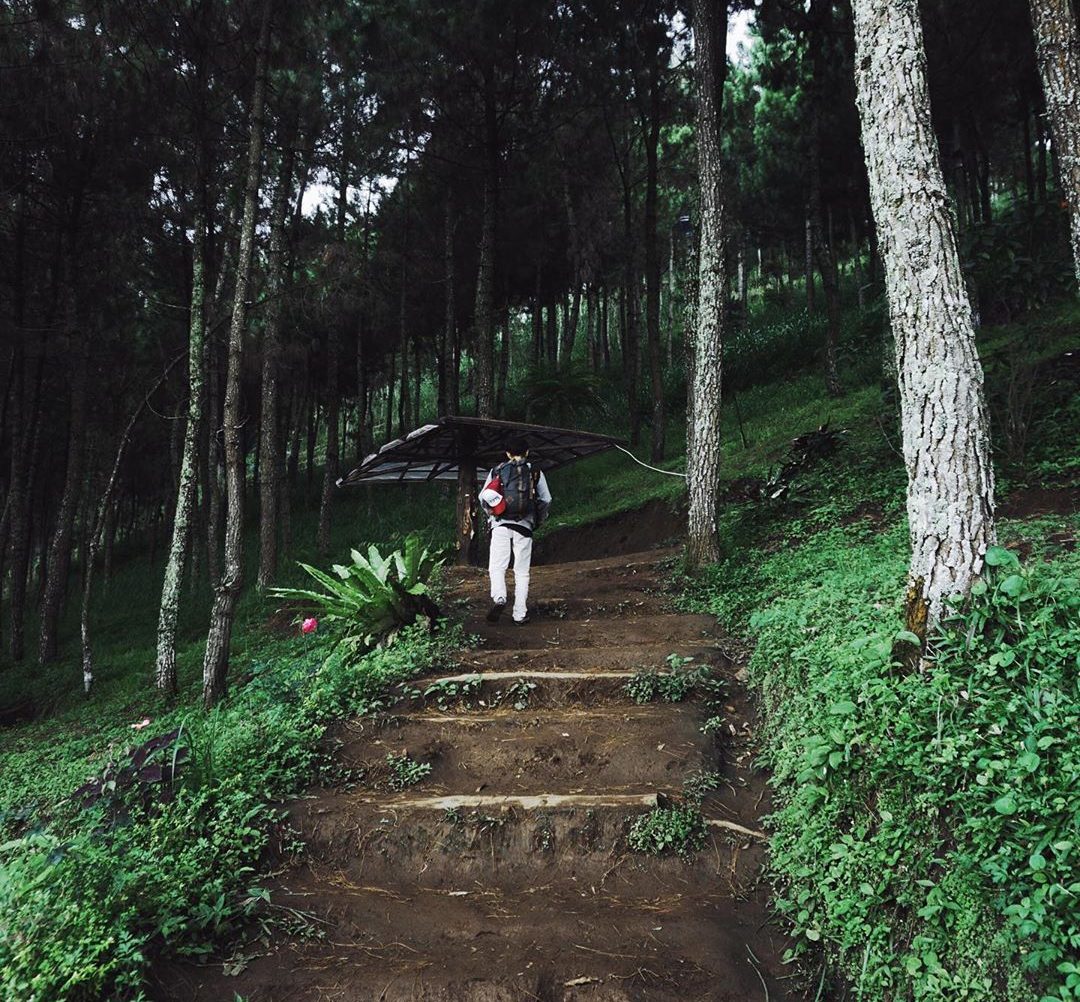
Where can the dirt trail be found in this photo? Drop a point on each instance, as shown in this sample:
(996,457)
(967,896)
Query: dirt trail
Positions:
(505,874)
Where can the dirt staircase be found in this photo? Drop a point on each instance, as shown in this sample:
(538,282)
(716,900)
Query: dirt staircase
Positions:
(505,873)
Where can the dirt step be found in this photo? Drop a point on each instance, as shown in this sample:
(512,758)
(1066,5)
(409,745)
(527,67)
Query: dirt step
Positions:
(596,605)
(627,567)
(628,657)
(412,841)
(558,945)
(602,597)
(508,751)
(478,692)
(675,631)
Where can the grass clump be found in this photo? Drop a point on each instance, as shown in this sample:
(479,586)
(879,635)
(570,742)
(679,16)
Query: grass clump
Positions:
(681,830)
(405,771)
(648,685)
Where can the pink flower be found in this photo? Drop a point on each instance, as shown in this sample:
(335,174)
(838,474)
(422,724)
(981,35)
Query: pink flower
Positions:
(145,722)
(309,625)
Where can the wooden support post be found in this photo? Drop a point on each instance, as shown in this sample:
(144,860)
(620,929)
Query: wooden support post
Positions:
(467,505)
(466,512)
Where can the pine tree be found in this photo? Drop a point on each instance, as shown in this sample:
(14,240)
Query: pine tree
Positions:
(703,454)
(1057,47)
(946,440)
(227,592)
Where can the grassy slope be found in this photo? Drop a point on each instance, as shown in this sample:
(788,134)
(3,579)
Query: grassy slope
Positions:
(925,831)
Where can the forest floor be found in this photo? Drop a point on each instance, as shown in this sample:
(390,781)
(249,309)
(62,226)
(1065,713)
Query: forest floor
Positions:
(506,872)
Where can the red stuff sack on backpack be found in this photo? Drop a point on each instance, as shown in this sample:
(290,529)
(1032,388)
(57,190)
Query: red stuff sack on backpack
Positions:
(495,487)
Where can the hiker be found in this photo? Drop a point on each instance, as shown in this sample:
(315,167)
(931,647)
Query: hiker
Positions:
(521,501)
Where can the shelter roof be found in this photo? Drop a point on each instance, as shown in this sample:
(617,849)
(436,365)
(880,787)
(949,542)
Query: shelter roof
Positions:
(436,451)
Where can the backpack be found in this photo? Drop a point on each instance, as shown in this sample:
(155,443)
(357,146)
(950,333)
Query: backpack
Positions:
(518,489)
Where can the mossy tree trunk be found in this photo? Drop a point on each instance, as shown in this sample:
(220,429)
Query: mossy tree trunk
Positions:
(227,592)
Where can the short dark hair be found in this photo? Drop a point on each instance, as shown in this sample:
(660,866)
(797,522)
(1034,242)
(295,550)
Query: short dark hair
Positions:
(517,445)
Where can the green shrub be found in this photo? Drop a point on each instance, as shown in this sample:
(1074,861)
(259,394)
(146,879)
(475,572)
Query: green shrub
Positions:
(926,823)
(648,685)
(405,771)
(373,596)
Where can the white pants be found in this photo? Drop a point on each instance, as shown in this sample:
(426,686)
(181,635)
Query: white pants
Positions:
(505,541)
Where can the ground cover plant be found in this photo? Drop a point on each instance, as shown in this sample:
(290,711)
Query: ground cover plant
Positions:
(926,819)
(680,829)
(91,891)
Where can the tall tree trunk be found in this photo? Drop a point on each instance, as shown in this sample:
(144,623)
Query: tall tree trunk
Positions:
(364,437)
(269,445)
(446,334)
(572,318)
(856,260)
(363,400)
(390,378)
(552,339)
(165,671)
(455,372)
(296,422)
(631,357)
(537,320)
(741,283)
(404,401)
(216,659)
(945,432)
(333,423)
(670,312)
(312,437)
(703,454)
(592,325)
(102,528)
(504,366)
(605,340)
(418,374)
(24,430)
(1041,171)
(652,266)
(573,311)
(809,262)
(214,473)
(824,250)
(483,325)
(690,312)
(333,364)
(1057,45)
(290,421)
(484,313)
(1029,162)
(58,564)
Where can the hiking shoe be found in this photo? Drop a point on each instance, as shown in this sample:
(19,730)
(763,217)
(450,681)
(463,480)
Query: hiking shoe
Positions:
(522,622)
(495,612)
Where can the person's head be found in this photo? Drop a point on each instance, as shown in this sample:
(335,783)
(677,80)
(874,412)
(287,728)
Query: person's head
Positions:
(517,447)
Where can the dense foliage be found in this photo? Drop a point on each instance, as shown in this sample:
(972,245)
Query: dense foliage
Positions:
(90,894)
(926,823)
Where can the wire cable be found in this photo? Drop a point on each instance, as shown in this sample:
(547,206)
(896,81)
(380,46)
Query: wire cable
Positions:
(655,469)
